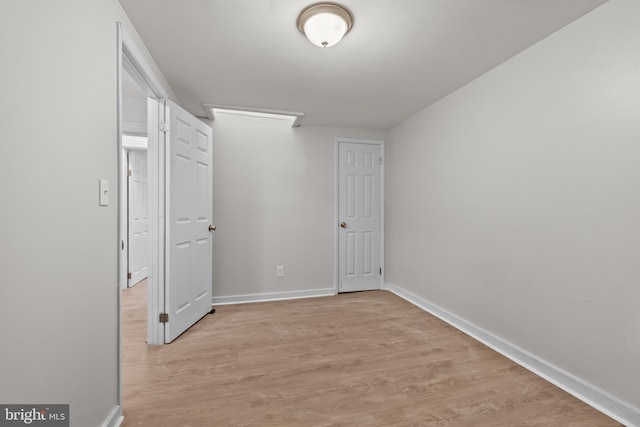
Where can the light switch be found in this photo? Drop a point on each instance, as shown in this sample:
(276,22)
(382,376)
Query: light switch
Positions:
(103,187)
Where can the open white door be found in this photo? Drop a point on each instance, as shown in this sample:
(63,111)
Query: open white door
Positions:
(138,217)
(359,216)
(189,206)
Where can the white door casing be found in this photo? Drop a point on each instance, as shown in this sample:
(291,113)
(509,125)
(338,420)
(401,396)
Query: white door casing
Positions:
(359,215)
(138,225)
(189,202)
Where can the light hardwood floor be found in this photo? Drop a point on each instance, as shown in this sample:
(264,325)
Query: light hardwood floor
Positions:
(360,359)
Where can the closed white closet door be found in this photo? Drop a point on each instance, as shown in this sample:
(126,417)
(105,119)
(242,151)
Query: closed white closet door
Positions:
(359,216)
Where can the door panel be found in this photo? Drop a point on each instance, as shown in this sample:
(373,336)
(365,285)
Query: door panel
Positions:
(359,209)
(138,217)
(189,208)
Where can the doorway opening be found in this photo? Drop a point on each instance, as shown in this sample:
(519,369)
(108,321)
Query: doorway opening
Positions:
(165,207)
(139,97)
(137,86)
(135,198)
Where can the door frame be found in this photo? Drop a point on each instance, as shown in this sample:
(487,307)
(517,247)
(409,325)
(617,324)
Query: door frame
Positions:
(336,207)
(132,61)
(129,58)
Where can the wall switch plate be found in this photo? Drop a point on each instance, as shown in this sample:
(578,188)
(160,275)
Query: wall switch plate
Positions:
(103,187)
(279,271)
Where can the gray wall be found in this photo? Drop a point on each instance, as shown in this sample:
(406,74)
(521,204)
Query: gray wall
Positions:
(273,205)
(134,110)
(514,203)
(58,294)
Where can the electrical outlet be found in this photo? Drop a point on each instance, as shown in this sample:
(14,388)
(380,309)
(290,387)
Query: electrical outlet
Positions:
(279,271)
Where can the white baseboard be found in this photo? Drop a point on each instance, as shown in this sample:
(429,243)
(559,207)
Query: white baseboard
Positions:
(620,411)
(115,418)
(274,296)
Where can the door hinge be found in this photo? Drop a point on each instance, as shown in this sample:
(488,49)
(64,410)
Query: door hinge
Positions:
(129,172)
(129,276)
(381,271)
(380,160)
(164,318)
(164,127)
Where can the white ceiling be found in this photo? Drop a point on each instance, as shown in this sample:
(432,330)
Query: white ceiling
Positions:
(401,55)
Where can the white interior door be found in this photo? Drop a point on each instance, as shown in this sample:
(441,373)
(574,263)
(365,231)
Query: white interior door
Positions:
(138,215)
(359,216)
(189,205)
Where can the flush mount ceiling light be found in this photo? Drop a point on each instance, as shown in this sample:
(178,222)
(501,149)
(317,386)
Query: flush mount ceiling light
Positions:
(325,23)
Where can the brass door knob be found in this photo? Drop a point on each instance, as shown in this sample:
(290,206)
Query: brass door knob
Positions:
(343,224)
(212,228)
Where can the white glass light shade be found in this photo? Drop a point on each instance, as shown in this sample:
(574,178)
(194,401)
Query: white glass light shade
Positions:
(325,29)
(325,24)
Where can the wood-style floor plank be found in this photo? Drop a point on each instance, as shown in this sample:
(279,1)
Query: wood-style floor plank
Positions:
(360,359)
